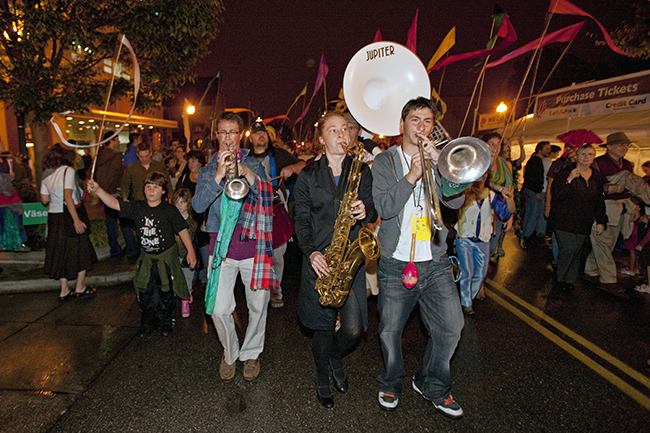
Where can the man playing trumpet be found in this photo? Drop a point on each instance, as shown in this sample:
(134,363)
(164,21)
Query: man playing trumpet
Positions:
(234,238)
(398,195)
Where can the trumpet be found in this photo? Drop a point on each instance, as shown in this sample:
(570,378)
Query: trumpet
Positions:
(236,188)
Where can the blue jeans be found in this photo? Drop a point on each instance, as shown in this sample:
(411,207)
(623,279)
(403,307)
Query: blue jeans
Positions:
(110,218)
(474,258)
(440,312)
(128,231)
(534,222)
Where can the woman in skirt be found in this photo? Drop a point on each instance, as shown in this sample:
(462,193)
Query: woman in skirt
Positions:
(67,257)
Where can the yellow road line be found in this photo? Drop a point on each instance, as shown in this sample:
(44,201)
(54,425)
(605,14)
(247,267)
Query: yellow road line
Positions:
(639,377)
(642,399)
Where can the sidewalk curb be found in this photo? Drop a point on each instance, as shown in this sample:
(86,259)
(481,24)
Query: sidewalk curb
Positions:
(46,284)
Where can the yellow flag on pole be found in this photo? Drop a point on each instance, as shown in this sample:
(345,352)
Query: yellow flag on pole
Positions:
(439,103)
(445,46)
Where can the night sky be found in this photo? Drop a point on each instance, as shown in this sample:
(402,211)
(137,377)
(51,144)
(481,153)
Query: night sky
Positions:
(267,50)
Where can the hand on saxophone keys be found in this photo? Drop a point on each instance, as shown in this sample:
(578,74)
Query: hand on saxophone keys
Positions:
(358,210)
(319,264)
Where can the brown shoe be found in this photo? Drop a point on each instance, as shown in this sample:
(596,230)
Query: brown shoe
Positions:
(251,369)
(227,371)
(468,310)
(616,290)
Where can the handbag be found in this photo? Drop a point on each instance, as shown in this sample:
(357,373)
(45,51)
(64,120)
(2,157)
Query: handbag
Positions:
(282,226)
(68,222)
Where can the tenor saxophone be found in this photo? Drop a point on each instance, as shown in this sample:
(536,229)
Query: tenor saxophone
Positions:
(343,257)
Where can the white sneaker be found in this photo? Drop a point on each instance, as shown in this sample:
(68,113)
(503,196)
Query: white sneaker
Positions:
(388,401)
(643,288)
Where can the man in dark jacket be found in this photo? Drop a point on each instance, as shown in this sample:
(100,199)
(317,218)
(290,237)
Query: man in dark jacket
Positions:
(276,162)
(108,172)
(534,190)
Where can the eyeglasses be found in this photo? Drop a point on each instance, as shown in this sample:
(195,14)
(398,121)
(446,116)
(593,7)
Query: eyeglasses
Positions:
(227,133)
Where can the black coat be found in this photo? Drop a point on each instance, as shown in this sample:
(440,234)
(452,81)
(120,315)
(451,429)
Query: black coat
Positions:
(575,205)
(317,202)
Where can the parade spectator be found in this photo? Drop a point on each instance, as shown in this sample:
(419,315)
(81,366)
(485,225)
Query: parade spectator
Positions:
(12,232)
(159,276)
(534,224)
(568,157)
(506,153)
(276,162)
(108,172)
(315,192)
(500,176)
(600,268)
(182,199)
(189,177)
(188,180)
(68,250)
(131,153)
(242,245)
(473,233)
(577,201)
(181,164)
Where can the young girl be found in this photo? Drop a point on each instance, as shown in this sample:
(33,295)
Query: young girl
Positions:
(182,200)
(473,232)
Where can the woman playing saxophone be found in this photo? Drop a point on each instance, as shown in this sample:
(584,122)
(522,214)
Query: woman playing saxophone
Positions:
(319,194)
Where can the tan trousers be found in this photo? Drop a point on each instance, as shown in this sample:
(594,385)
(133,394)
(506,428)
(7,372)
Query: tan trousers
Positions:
(600,262)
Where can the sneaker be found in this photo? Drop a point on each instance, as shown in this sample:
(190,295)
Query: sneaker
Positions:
(643,288)
(388,401)
(628,272)
(227,371)
(277,303)
(448,407)
(185,308)
(251,369)
(501,252)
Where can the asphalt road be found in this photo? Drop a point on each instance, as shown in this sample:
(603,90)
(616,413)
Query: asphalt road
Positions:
(530,360)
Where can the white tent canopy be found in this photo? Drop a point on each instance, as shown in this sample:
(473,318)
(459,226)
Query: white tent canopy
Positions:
(635,124)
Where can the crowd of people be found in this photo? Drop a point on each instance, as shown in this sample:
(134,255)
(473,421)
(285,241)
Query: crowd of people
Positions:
(190,218)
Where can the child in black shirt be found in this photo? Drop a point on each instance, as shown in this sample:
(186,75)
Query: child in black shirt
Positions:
(159,275)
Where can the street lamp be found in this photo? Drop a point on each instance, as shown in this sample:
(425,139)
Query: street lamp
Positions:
(191,110)
(502,108)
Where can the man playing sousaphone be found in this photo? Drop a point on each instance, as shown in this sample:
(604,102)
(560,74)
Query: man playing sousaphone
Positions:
(320,191)
(398,193)
(240,232)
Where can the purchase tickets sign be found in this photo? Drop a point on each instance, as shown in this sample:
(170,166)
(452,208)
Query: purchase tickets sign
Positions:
(614,95)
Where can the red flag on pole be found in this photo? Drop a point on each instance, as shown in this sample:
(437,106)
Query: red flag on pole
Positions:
(506,31)
(567,8)
(322,73)
(563,35)
(378,37)
(412,33)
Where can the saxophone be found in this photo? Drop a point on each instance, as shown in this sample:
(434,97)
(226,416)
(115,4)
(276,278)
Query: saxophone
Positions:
(342,257)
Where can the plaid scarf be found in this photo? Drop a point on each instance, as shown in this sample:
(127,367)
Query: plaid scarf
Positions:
(257,223)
